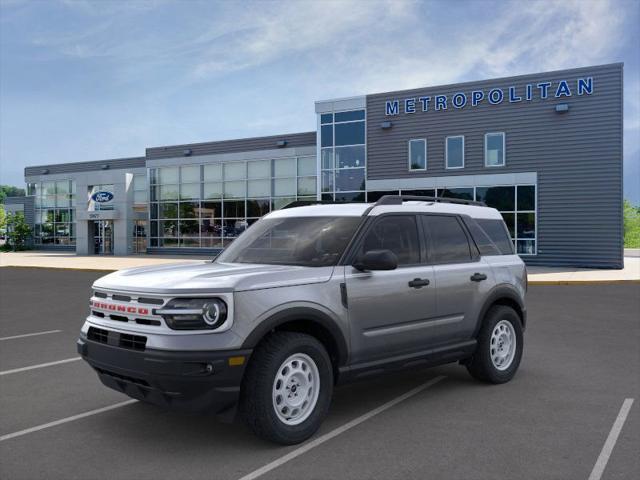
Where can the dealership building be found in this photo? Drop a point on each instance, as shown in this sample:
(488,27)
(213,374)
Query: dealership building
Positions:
(544,149)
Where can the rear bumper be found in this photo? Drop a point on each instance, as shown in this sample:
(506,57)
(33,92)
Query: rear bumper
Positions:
(193,381)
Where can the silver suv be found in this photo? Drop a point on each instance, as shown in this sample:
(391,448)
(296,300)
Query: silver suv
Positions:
(309,297)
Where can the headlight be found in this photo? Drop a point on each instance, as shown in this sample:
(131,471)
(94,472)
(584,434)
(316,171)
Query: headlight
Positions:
(194,313)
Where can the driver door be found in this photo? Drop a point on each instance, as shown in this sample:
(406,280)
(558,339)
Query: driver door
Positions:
(389,312)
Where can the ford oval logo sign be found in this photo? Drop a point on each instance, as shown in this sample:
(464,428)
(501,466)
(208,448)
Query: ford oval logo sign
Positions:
(102,197)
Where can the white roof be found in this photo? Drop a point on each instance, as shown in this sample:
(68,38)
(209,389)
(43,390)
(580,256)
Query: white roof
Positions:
(357,209)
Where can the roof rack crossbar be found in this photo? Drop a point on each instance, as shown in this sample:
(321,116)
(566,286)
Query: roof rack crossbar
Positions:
(398,199)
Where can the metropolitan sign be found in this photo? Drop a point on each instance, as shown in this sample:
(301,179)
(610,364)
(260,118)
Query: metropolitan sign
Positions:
(493,96)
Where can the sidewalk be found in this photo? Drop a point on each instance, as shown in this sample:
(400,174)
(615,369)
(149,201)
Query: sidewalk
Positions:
(69,260)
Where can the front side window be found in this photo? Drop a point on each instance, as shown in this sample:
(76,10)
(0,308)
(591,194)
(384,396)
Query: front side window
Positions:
(396,233)
(449,243)
(302,241)
(494,145)
(418,154)
(455,152)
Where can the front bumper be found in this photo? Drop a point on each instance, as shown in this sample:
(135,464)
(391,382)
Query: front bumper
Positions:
(194,381)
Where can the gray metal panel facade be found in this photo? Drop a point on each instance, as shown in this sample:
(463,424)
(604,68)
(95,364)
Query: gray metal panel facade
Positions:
(232,146)
(112,164)
(577,155)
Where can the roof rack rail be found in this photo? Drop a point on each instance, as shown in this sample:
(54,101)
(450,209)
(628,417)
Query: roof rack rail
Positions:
(398,199)
(306,203)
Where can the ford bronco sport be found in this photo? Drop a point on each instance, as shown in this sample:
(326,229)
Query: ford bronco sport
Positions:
(309,297)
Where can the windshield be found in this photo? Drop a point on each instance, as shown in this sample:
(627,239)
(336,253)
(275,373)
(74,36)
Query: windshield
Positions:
(303,241)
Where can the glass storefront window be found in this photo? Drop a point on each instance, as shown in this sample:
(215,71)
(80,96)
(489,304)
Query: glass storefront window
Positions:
(500,198)
(235,189)
(259,188)
(418,154)
(169,192)
(168,175)
(213,172)
(235,171)
(190,174)
(306,186)
(284,167)
(307,166)
(213,190)
(189,191)
(259,169)
(350,179)
(284,186)
(234,195)
(54,218)
(350,157)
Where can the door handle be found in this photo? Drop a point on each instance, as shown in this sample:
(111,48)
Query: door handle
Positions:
(478,277)
(419,282)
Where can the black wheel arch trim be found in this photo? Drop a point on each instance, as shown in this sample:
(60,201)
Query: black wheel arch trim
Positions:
(500,292)
(308,314)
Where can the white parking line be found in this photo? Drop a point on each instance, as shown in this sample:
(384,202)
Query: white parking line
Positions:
(601,463)
(40,365)
(65,420)
(29,335)
(334,433)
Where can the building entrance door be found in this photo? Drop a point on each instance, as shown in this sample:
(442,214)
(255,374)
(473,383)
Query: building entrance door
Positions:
(103,237)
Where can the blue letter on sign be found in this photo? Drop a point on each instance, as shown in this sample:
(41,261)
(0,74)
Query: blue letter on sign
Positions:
(544,87)
(476,97)
(496,96)
(459,100)
(563,89)
(512,95)
(441,102)
(529,91)
(425,103)
(585,85)
(410,105)
(391,107)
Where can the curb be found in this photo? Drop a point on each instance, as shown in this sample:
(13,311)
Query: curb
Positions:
(585,282)
(76,269)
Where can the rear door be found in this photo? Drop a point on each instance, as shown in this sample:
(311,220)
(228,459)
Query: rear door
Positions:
(389,310)
(462,278)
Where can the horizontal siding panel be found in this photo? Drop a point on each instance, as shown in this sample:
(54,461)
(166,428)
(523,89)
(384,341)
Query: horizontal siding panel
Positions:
(231,146)
(113,164)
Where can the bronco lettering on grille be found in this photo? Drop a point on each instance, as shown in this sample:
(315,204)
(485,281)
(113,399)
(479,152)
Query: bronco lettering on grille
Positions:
(118,308)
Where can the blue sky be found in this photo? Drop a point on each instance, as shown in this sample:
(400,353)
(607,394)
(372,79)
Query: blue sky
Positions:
(88,80)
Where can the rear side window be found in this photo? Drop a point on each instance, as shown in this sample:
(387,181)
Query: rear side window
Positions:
(497,232)
(482,240)
(396,233)
(449,243)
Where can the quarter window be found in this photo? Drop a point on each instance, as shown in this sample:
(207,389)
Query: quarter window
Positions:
(396,233)
(494,146)
(418,154)
(455,152)
(449,243)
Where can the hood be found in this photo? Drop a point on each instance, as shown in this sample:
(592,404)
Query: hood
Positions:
(211,277)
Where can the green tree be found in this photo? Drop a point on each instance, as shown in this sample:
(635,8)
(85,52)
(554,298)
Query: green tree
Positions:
(631,225)
(3,218)
(10,191)
(18,231)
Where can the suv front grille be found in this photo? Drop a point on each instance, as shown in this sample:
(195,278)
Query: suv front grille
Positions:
(122,340)
(126,308)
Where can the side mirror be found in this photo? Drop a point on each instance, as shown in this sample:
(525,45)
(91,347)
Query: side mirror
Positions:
(377,260)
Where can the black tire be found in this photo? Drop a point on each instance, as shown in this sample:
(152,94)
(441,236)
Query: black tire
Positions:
(480,366)
(256,403)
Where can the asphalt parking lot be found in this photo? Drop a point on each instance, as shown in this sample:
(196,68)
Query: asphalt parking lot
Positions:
(581,361)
